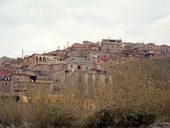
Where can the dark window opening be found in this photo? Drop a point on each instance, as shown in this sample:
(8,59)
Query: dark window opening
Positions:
(44,59)
(36,59)
(78,67)
(17,98)
(40,59)
(66,71)
(33,78)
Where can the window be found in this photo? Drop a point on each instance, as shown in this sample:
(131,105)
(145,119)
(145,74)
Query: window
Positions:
(5,83)
(71,66)
(44,59)
(33,78)
(78,67)
(17,98)
(36,58)
(40,59)
(87,68)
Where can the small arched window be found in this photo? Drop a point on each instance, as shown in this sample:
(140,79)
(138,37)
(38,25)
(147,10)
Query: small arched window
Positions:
(44,59)
(36,58)
(40,58)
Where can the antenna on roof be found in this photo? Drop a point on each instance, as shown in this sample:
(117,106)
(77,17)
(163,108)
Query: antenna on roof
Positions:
(58,47)
(67,44)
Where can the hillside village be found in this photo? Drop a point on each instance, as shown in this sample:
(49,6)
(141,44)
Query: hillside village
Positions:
(56,69)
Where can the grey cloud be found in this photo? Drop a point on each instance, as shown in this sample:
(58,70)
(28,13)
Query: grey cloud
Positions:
(43,25)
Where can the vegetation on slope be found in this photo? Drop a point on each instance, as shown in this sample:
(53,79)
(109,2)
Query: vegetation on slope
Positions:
(138,95)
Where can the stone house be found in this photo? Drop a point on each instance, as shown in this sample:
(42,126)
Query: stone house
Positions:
(43,67)
(110,44)
(31,61)
(59,80)
(75,58)
(151,47)
(50,66)
(62,54)
(23,80)
(5,84)
(81,65)
(77,46)
(88,82)
(92,46)
(165,50)
(86,46)
(26,82)
(95,48)
(133,46)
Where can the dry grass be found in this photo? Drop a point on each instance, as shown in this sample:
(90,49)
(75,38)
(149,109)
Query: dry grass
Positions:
(139,87)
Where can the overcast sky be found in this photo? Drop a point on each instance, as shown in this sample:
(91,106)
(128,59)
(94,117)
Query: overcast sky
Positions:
(41,25)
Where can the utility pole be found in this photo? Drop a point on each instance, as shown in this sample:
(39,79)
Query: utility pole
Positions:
(67,44)
(22,53)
